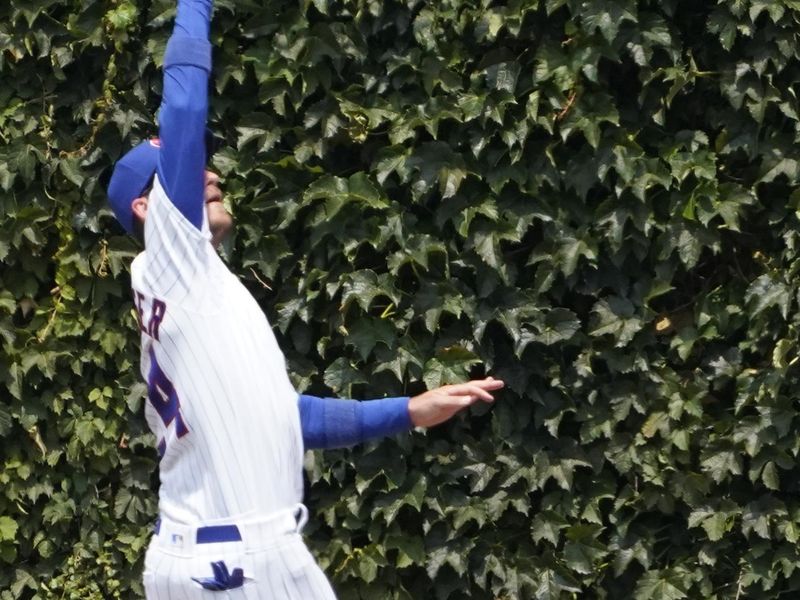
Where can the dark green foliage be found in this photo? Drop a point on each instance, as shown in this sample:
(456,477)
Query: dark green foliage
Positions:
(595,200)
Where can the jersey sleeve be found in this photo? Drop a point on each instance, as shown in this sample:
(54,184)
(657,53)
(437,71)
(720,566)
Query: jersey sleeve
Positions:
(179,263)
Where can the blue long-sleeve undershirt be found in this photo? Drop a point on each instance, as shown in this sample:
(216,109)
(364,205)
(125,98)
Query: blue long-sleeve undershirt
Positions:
(184,109)
(335,423)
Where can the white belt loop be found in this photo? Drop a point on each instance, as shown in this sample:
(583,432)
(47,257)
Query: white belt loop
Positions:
(301,514)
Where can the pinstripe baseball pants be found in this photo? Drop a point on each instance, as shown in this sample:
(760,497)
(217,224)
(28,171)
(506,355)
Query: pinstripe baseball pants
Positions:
(274,560)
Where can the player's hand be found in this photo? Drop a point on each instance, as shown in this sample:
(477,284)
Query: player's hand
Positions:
(437,406)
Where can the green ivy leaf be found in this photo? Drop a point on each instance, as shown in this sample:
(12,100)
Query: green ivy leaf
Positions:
(5,421)
(450,365)
(557,326)
(341,376)
(616,317)
(8,529)
(582,549)
(660,585)
(766,292)
(606,16)
(367,333)
(410,547)
(721,464)
(770,476)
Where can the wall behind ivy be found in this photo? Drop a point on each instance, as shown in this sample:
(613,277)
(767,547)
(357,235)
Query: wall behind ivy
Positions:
(595,200)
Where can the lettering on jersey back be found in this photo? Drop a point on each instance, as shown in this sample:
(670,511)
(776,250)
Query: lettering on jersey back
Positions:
(164,398)
(149,323)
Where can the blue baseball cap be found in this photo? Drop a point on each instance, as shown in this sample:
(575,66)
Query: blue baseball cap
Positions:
(134,172)
(132,175)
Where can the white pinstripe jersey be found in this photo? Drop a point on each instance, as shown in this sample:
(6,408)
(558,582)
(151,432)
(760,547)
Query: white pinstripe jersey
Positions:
(220,401)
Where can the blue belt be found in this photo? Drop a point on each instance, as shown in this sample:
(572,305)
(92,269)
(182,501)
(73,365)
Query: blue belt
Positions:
(213,533)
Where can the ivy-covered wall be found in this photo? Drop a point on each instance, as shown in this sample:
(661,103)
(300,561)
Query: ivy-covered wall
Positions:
(595,200)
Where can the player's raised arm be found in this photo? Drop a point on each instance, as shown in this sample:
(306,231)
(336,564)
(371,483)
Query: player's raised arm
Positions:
(184,109)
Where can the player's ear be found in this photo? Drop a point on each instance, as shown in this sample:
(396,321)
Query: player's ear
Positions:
(139,207)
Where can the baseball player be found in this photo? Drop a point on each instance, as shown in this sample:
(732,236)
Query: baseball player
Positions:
(230,428)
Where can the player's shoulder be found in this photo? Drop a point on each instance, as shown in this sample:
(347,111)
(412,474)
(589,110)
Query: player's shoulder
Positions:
(138,265)
(162,211)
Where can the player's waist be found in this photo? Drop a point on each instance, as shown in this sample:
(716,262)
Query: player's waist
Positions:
(255,534)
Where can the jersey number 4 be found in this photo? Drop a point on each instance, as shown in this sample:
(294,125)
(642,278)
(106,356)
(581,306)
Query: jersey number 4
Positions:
(164,399)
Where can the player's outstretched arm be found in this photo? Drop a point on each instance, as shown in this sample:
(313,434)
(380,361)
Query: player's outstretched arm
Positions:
(184,109)
(337,423)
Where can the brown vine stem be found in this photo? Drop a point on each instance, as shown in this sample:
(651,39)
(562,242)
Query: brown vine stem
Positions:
(102,269)
(570,101)
(261,281)
(42,336)
(36,438)
(739,586)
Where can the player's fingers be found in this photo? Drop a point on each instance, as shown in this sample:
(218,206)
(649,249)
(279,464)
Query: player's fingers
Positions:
(490,383)
(461,389)
(487,386)
(471,389)
(481,392)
